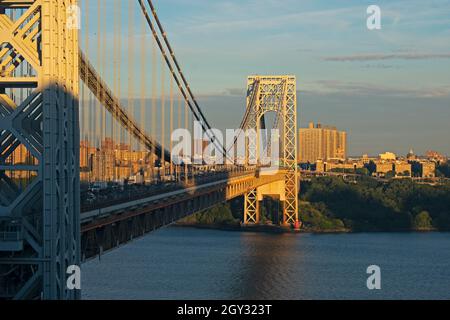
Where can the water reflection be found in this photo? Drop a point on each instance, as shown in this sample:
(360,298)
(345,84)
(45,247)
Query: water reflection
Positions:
(180,263)
(267,266)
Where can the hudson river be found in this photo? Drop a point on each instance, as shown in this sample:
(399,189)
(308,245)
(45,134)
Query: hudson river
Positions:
(184,263)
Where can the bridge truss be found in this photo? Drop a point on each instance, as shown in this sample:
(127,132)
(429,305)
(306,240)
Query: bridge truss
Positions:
(274,94)
(41,66)
(39,223)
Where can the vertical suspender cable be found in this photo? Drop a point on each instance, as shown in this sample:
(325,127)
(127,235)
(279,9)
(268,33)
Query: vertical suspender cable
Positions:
(171,126)
(88,119)
(163,117)
(130,74)
(186,152)
(99,44)
(177,65)
(115,86)
(153,153)
(179,122)
(104,115)
(84,147)
(103,109)
(158,42)
(143,70)
(82,123)
(120,133)
(186,84)
(179,111)
(196,111)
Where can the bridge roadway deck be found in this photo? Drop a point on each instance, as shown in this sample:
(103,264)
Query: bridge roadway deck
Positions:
(106,228)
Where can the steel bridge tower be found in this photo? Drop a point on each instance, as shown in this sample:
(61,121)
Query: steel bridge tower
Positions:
(274,94)
(39,84)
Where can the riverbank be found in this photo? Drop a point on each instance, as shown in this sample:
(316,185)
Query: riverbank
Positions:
(263,228)
(330,205)
(275,229)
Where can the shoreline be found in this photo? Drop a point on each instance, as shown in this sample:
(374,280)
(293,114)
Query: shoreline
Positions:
(274,229)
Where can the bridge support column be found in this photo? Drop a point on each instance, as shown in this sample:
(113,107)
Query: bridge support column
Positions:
(290,153)
(251,210)
(274,94)
(39,79)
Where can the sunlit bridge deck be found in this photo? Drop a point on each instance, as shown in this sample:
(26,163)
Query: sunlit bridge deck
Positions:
(110,226)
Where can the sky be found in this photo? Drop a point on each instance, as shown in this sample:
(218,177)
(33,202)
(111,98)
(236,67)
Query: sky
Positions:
(389,88)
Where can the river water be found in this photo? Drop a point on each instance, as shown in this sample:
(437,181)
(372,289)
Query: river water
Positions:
(186,263)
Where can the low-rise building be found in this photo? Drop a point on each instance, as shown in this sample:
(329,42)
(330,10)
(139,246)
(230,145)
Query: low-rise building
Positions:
(328,166)
(402,169)
(428,169)
(388,156)
(424,168)
(365,159)
(383,167)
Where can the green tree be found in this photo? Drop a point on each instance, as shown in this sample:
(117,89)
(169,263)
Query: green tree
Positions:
(263,214)
(372,167)
(317,218)
(390,174)
(423,221)
(362,171)
(443,170)
(371,205)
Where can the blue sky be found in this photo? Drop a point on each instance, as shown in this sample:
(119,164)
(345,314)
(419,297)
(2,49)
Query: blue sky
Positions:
(389,88)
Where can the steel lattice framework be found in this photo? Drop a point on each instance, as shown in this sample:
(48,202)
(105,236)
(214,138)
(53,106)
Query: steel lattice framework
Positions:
(39,83)
(274,94)
(40,69)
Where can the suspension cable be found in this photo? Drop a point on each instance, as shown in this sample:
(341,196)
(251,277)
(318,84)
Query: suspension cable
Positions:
(177,65)
(194,109)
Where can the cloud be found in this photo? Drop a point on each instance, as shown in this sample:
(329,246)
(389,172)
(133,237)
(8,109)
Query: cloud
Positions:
(364,88)
(234,92)
(232,18)
(390,56)
(351,88)
(379,66)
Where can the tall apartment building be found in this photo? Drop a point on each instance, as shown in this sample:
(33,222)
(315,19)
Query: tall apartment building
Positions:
(321,142)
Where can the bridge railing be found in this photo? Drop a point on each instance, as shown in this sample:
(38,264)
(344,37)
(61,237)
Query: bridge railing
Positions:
(143,191)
